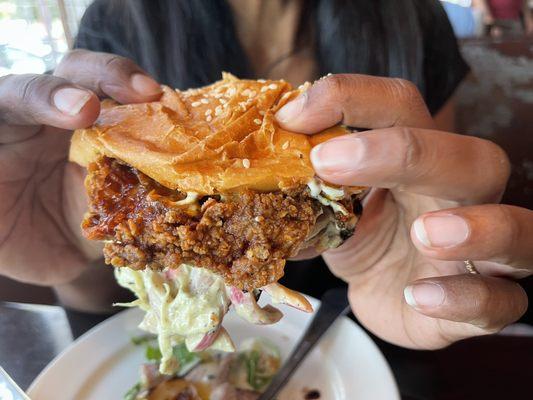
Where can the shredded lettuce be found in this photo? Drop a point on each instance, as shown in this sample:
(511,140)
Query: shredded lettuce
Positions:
(184,356)
(133,392)
(142,339)
(258,362)
(179,304)
(153,353)
(257,378)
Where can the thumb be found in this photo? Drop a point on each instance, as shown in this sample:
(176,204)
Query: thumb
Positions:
(358,101)
(44,99)
(485,304)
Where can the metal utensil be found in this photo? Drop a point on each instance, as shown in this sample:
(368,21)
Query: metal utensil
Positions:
(334,303)
(9,390)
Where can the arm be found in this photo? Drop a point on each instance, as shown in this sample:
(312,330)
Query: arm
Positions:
(482,6)
(528,17)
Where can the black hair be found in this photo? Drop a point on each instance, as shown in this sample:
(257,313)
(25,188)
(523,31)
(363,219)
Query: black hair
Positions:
(188,43)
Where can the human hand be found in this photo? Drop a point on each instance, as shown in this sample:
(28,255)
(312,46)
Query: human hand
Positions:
(42,198)
(421,218)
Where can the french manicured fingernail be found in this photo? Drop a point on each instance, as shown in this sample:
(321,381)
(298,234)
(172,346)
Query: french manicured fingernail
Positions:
(441,230)
(337,155)
(144,85)
(424,295)
(292,109)
(71,100)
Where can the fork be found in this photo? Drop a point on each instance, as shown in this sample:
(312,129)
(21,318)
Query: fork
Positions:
(333,304)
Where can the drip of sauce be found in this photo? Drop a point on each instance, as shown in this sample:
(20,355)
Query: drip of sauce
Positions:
(312,394)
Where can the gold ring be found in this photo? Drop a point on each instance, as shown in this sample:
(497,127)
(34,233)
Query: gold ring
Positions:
(470,267)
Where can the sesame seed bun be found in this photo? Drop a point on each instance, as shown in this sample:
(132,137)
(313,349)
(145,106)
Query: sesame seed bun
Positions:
(215,139)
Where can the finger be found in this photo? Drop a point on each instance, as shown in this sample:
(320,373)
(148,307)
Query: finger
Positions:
(499,233)
(109,75)
(485,303)
(44,99)
(356,100)
(433,163)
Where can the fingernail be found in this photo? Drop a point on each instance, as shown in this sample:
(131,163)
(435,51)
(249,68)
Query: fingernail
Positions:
(71,100)
(424,295)
(144,85)
(337,155)
(292,109)
(441,230)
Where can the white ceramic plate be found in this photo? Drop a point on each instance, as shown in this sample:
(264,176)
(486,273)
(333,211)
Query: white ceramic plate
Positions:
(104,364)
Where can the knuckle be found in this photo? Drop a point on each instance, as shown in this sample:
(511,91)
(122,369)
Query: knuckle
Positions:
(336,84)
(69,58)
(411,149)
(510,232)
(31,87)
(405,89)
(407,93)
(482,305)
(118,64)
(502,167)
(484,295)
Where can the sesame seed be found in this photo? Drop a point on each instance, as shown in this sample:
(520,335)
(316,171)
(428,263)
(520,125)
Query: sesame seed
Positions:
(222,101)
(209,118)
(329,74)
(285,146)
(246,163)
(261,112)
(264,89)
(204,101)
(218,110)
(257,121)
(246,92)
(252,94)
(208,112)
(273,86)
(261,81)
(196,104)
(218,95)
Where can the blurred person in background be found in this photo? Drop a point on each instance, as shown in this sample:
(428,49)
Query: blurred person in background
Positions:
(435,193)
(511,17)
(469,18)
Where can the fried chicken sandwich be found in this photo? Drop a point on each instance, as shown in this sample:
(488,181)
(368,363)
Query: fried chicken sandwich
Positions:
(200,198)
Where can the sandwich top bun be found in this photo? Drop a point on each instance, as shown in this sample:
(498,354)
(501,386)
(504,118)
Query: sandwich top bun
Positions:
(216,139)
